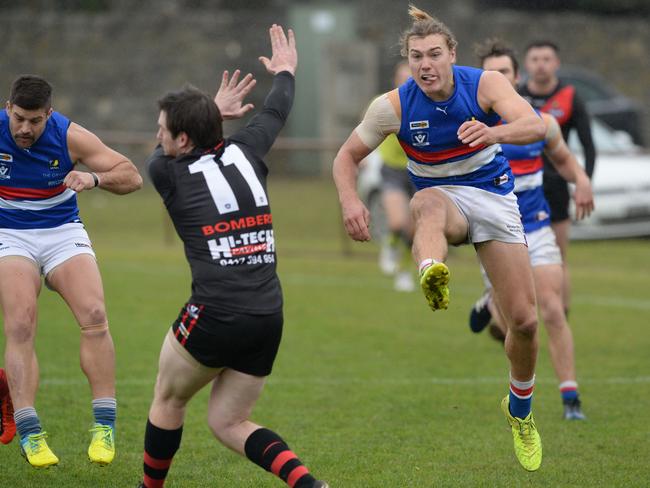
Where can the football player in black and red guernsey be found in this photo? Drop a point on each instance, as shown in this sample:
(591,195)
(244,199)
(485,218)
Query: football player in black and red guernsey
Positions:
(547,93)
(228,333)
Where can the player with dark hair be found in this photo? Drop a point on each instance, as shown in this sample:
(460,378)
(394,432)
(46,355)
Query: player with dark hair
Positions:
(547,93)
(42,235)
(229,331)
(446,118)
(546,260)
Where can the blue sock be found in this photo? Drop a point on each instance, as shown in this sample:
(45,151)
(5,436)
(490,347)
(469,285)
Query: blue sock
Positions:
(521,397)
(27,422)
(104,410)
(569,390)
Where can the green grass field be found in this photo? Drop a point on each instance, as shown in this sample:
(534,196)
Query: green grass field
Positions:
(370,388)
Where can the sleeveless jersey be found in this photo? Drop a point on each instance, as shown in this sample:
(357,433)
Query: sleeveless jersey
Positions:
(528,169)
(428,136)
(218,202)
(32,193)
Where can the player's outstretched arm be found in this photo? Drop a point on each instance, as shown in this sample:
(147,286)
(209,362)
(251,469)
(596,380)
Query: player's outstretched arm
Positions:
(284,56)
(231,95)
(110,170)
(260,133)
(567,166)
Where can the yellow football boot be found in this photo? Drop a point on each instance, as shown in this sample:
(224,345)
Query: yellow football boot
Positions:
(102,446)
(37,452)
(528,443)
(434,280)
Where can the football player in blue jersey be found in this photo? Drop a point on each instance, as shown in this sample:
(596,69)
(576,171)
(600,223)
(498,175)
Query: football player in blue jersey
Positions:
(447,119)
(42,235)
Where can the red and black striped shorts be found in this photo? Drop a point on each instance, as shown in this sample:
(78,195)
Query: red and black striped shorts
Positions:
(223,339)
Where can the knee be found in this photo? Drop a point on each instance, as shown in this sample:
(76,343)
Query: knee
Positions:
(426,204)
(20,325)
(553,315)
(218,425)
(166,401)
(524,324)
(94,314)
(221,424)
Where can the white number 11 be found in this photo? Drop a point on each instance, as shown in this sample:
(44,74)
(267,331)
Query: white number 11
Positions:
(221,192)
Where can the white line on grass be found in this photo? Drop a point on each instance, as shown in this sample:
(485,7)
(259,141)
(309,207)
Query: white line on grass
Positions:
(478,380)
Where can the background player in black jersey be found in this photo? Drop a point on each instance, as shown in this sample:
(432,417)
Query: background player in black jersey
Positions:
(229,332)
(547,93)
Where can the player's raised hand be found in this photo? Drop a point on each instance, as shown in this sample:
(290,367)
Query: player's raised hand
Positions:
(283,51)
(232,93)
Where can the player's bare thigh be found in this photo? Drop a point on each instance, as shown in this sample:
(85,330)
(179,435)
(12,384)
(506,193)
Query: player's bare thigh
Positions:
(548,290)
(561,230)
(508,268)
(79,282)
(20,284)
(430,207)
(180,376)
(396,206)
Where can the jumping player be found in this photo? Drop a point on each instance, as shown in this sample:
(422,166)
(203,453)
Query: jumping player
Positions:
(42,235)
(447,120)
(229,331)
(527,167)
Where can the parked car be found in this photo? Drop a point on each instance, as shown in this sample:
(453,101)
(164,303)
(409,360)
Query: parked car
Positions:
(605,103)
(621,184)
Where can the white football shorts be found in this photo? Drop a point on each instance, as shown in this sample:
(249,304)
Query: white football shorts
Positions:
(490,216)
(46,247)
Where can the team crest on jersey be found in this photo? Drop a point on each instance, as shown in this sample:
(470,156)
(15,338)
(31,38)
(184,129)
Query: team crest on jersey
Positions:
(419,124)
(54,164)
(5,171)
(6,157)
(419,139)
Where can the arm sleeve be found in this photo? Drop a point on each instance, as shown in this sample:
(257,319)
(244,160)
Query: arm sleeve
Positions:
(583,126)
(380,121)
(157,166)
(260,133)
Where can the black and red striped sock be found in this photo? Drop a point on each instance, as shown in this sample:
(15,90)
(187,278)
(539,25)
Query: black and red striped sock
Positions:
(267,449)
(160,445)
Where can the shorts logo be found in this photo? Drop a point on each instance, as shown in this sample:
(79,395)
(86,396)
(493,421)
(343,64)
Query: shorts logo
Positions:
(193,311)
(501,180)
(6,157)
(420,139)
(5,171)
(81,244)
(419,124)
(54,164)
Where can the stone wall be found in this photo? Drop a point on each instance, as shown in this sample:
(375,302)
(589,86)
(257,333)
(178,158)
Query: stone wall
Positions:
(109,66)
